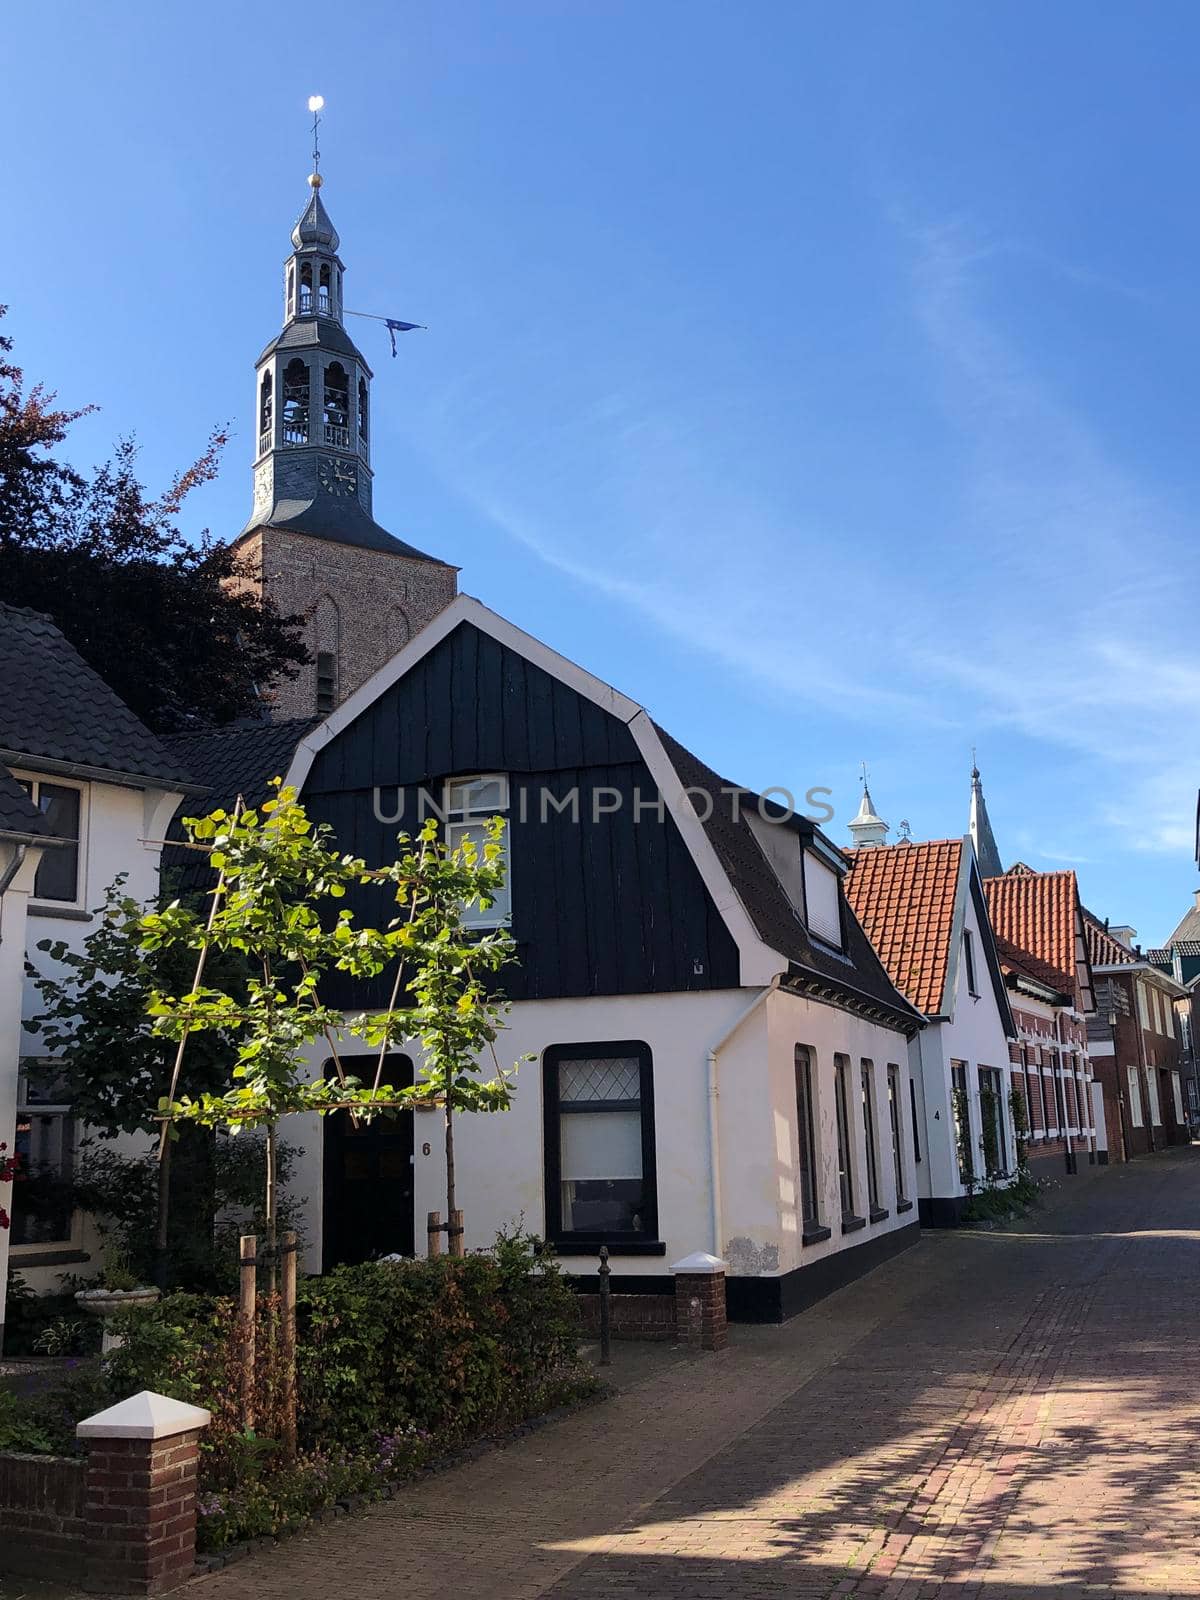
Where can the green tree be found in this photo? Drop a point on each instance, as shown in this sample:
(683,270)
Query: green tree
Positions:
(114,1067)
(276,907)
(173,625)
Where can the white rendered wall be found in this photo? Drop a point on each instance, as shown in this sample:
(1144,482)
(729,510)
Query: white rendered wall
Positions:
(500,1158)
(121,828)
(12,960)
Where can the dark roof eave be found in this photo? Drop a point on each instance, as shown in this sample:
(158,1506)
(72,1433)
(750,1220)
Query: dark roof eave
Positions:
(907,1019)
(81,769)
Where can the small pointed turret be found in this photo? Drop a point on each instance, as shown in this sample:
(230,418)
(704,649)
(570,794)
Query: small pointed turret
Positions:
(980,829)
(867,829)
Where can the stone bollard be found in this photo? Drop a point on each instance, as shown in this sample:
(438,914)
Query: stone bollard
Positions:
(140,1493)
(700,1301)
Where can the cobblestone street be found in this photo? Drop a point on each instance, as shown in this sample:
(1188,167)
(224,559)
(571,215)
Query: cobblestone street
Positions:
(993,1415)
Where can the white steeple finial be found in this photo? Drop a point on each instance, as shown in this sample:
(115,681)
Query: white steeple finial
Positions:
(867,829)
(980,829)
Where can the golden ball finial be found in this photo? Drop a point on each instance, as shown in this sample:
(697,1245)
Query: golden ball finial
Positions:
(315,180)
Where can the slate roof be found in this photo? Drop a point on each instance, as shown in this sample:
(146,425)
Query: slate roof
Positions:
(763,896)
(337,519)
(904,896)
(55,708)
(318,333)
(230,761)
(19,817)
(1183,947)
(1034,912)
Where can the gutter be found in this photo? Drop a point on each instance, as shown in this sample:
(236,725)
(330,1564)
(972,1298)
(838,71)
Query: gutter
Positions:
(714,1148)
(81,769)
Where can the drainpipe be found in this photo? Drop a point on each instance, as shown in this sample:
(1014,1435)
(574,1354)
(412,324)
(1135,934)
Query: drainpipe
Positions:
(714,1146)
(1061,1034)
(7,876)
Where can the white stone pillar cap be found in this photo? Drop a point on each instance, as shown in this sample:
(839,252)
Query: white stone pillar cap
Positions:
(700,1262)
(144,1416)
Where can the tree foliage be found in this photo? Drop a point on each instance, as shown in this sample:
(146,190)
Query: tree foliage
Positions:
(171,624)
(277,909)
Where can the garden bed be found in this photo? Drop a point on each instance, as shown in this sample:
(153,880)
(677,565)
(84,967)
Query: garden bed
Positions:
(400,1367)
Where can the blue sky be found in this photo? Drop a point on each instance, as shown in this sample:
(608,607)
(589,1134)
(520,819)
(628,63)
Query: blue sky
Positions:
(822,376)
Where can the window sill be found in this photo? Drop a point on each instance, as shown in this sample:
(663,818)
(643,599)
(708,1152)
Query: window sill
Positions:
(851,1224)
(66,913)
(39,1255)
(816,1234)
(903,1205)
(878,1214)
(616,1247)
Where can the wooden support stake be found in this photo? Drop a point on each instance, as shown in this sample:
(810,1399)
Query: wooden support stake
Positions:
(248,1254)
(433,1230)
(454,1234)
(288,1345)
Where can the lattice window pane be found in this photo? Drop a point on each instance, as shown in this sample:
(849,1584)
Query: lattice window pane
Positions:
(599,1079)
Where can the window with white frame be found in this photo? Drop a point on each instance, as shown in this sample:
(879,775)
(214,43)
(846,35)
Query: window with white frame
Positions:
(894,1116)
(969,958)
(44,1148)
(599,1143)
(822,893)
(469,805)
(1143,1018)
(59,879)
(1177,1094)
(1135,1098)
(1152,1090)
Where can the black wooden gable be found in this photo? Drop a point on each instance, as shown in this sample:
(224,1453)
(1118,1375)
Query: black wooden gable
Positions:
(608,903)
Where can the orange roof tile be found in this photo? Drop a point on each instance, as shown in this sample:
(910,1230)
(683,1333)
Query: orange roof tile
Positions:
(1103,949)
(1035,911)
(903,895)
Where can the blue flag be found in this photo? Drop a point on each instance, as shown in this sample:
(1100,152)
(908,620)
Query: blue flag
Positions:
(394,327)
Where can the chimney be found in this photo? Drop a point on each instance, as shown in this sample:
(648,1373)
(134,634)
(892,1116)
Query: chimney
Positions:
(1196,892)
(1124,935)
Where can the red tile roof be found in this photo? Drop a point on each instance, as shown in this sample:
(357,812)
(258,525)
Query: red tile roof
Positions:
(1103,949)
(1035,911)
(903,895)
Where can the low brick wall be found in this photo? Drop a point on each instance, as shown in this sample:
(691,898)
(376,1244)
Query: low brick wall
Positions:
(43,1528)
(632,1316)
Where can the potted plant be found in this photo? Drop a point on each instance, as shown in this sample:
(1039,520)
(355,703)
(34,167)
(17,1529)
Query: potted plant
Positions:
(117,1290)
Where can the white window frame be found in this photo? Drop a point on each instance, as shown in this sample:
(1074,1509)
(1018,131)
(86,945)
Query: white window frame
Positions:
(1177,1093)
(64,1111)
(1152,1090)
(816,885)
(1136,1117)
(460,820)
(1143,1018)
(35,781)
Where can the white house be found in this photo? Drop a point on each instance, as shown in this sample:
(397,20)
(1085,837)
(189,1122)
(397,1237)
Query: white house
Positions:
(104,789)
(923,908)
(721,1061)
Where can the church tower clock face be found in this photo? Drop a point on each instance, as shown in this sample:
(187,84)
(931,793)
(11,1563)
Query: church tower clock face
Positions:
(337,477)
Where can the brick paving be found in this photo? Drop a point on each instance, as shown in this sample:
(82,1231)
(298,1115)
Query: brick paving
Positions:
(990,1416)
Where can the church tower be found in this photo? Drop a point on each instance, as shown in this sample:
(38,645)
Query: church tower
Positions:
(312,543)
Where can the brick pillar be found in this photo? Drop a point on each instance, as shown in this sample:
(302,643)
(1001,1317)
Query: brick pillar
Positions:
(700,1301)
(140,1494)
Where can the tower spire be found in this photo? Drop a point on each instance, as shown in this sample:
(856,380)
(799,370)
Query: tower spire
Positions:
(867,830)
(980,828)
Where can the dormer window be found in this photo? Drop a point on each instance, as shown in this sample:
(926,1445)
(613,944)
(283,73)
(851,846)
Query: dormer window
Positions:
(470,803)
(822,895)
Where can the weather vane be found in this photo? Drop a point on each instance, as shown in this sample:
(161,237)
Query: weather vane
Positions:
(864,774)
(316,104)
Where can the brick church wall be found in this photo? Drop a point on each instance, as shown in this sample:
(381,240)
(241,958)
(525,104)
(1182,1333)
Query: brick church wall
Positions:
(379,601)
